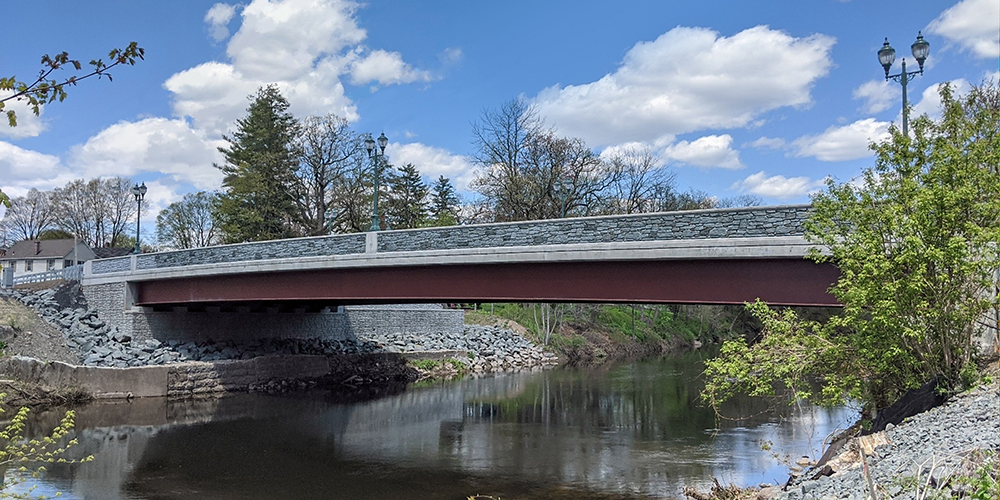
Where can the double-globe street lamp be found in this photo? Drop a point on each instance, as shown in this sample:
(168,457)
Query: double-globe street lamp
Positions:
(139,190)
(376,156)
(562,187)
(886,56)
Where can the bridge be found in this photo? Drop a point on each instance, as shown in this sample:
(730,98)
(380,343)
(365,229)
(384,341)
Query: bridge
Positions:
(719,256)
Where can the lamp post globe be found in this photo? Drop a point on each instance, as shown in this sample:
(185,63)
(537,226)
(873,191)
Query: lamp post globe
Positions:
(139,191)
(887,55)
(376,155)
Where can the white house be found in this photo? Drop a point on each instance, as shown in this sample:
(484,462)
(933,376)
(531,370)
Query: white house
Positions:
(38,256)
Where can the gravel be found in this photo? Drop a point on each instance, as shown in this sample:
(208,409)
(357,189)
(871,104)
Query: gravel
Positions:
(483,349)
(930,446)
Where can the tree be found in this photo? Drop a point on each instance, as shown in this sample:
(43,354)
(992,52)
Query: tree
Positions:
(98,211)
(189,223)
(258,201)
(444,203)
(31,455)
(406,203)
(329,149)
(45,89)
(522,163)
(916,240)
(29,215)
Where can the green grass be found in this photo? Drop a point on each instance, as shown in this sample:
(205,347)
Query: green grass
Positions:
(425,364)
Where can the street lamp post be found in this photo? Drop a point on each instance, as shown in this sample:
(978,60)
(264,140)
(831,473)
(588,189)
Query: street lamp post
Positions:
(376,156)
(139,190)
(562,187)
(886,56)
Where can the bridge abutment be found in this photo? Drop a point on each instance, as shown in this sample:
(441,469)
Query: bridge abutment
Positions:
(114,306)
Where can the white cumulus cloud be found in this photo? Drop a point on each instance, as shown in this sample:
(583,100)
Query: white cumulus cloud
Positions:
(777,186)
(305,47)
(385,68)
(28,125)
(282,39)
(24,169)
(708,151)
(158,145)
(848,142)
(690,79)
(433,162)
(974,25)
(218,17)
(879,95)
(768,143)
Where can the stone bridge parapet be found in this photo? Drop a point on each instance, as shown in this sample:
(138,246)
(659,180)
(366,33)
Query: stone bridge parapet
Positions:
(732,223)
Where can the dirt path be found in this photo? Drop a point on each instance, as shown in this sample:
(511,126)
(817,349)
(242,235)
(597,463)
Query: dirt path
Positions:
(25,334)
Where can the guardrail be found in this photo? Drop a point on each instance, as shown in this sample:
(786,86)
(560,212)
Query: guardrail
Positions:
(72,273)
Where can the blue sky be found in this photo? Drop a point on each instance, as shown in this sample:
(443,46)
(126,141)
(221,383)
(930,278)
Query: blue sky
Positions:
(735,97)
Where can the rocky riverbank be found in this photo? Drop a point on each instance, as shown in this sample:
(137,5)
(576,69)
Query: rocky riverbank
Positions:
(483,349)
(940,453)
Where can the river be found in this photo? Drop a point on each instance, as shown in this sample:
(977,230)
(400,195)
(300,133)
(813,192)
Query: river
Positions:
(631,430)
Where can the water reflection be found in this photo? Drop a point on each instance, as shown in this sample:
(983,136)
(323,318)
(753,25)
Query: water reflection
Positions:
(629,431)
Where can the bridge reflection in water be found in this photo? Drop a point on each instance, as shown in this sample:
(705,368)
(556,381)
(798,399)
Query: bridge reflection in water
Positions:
(633,429)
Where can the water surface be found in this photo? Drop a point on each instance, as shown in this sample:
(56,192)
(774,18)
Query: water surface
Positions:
(633,430)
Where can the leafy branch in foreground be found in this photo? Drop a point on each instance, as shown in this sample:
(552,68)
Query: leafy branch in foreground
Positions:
(29,456)
(46,89)
(916,240)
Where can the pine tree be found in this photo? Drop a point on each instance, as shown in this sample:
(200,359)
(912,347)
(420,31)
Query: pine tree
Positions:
(444,203)
(407,200)
(257,202)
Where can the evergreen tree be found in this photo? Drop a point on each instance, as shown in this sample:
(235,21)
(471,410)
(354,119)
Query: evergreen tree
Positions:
(444,203)
(407,200)
(257,202)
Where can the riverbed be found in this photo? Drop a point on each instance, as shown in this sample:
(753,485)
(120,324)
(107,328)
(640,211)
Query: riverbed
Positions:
(630,430)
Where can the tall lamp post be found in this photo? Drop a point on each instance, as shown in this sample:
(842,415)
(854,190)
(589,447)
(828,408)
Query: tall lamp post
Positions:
(562,187)
(886,56)
(139,190)
(376,156)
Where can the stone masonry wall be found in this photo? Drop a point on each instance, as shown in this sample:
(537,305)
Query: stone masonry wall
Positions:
(297,247)
(109,301)
(366,321)
(354,322)
(182,379)
(192,379)
(235,326)
(695,224)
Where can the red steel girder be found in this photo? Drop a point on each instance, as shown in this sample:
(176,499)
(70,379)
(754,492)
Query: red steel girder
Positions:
(793,281)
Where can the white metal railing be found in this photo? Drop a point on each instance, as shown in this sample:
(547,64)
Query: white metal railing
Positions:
(72,273)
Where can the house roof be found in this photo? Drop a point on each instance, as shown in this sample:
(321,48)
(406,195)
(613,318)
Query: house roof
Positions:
(39,249)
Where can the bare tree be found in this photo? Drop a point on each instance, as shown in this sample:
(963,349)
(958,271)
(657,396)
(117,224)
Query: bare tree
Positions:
(29,215)
(349,208)
(639,182)
(98,212)
(120,205)
(527,172)
(189,223)
(329,150)
(74,212)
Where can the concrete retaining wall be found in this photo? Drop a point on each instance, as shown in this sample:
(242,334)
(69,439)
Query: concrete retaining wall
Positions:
(178,380)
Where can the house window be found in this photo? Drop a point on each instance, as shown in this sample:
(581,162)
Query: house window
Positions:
(27,265)
(67,263)
(50,264)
